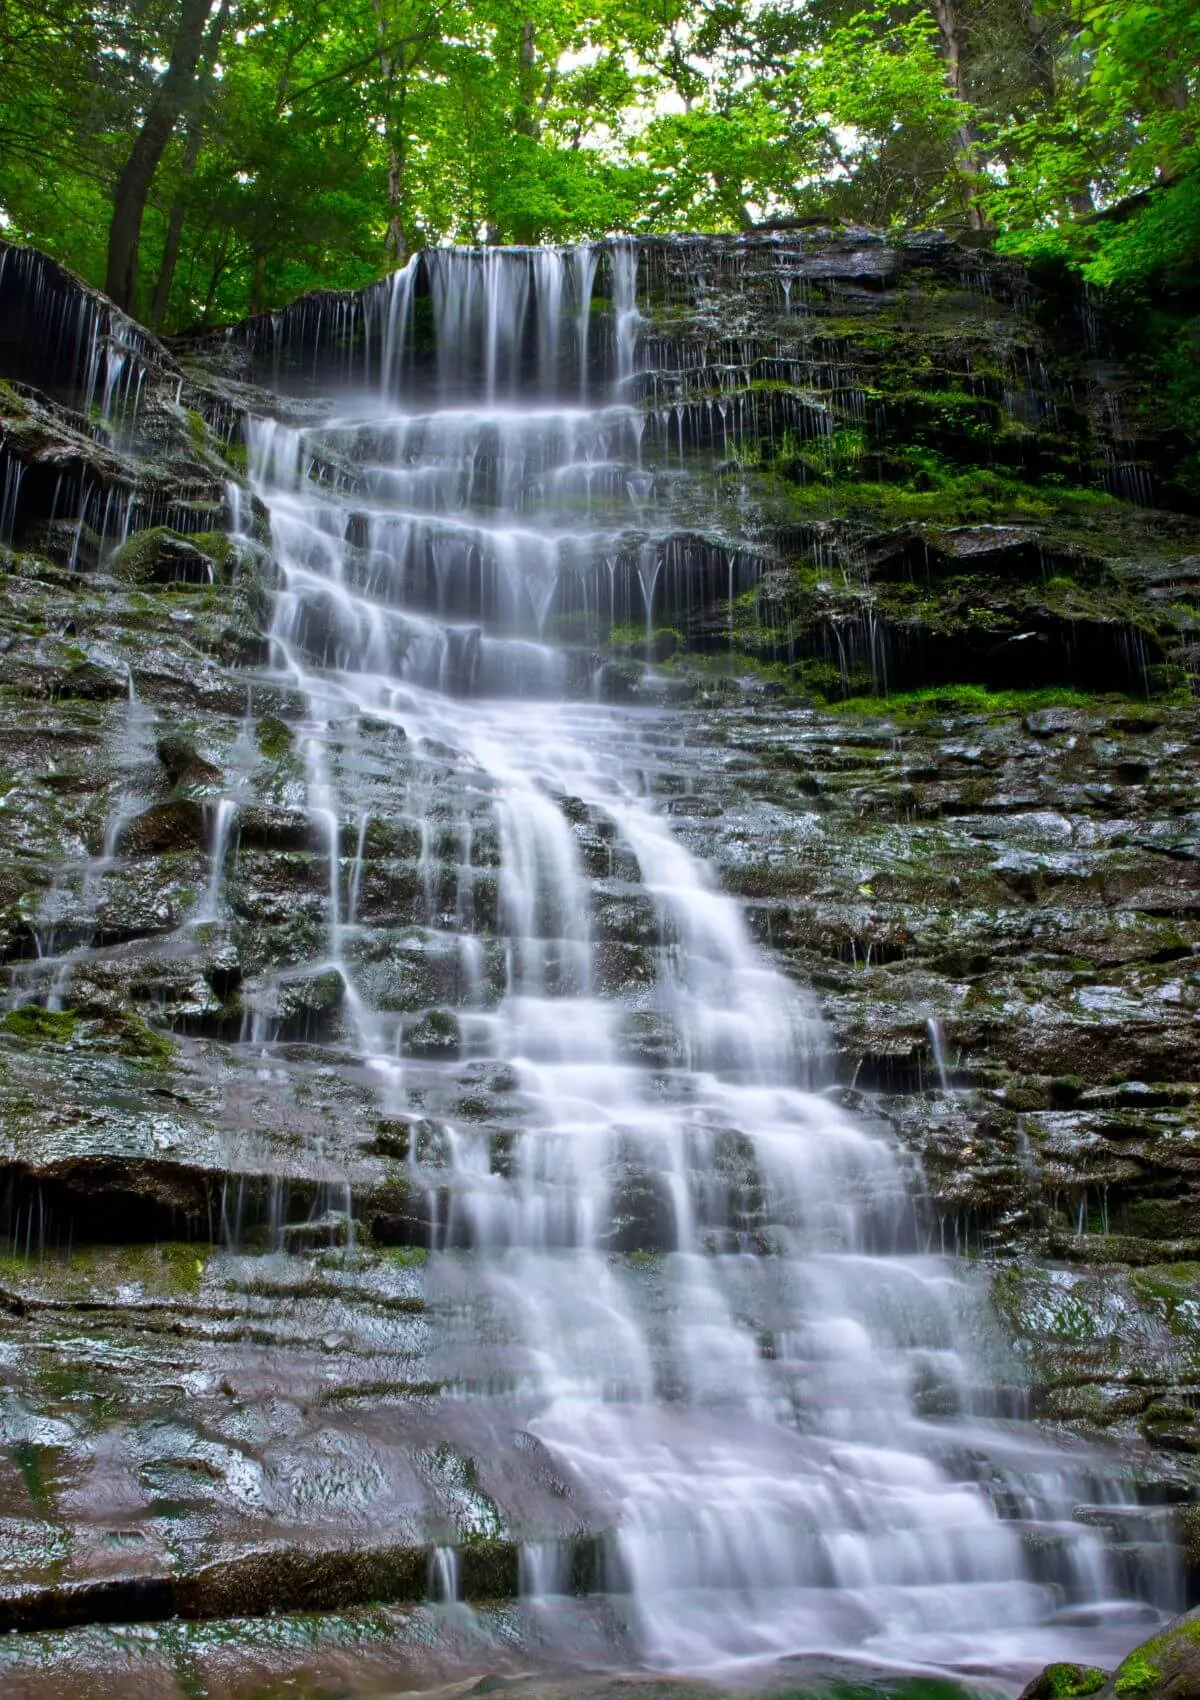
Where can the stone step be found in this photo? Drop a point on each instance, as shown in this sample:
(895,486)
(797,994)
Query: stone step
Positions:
(269,1578)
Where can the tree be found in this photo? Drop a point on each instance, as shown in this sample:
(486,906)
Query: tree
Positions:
(191,152)
(136,175)
(948,18)
(279,148)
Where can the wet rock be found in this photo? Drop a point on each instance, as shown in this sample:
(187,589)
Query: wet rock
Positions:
(651,1038)
(1060,722)
(399,1137)
(393,837)
(992,896)
(437,1034)
(1065,1682)
(1166,1667)
(160,556)
(398,1214)
(263,828)
(166,828)
(298,1006)
(183,763)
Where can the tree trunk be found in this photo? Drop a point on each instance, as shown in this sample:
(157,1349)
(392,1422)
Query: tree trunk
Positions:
(137,174)
(170,253)
(527,124)
(947,21)
(525,118)
(395,242)
(258,280)
(191,153)
(1038,33)
(1043,76)
(218,273)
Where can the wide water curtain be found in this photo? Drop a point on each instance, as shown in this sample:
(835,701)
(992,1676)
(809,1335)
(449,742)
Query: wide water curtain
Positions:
(659,1249)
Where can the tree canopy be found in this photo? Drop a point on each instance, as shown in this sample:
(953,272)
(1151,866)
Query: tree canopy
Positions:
(206,158)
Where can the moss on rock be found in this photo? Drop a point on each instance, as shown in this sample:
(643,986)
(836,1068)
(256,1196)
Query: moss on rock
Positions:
(1065,1682)
(274,738)
(40,1026)
(161,556)
(1167,1667)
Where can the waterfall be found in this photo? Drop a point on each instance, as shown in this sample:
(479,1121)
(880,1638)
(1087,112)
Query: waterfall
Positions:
(679,1265)
(73,343)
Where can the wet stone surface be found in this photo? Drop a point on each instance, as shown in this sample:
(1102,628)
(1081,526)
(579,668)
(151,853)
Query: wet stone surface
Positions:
(273,1100)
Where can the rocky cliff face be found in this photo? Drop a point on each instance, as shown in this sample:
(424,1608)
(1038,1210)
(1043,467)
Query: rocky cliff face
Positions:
(933,650)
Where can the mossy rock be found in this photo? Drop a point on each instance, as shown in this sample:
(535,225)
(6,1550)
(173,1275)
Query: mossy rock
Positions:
(274,738)
(489,1570)
(39,1026)
(392,837)
(142,1044)
(184,764)
(1167,1667)
(397,1214)
(437,1034)
(932,701)
(160,556)
(218,546)
(1065,1682)
(306,1006)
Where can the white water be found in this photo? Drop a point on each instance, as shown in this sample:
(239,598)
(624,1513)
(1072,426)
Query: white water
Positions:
(702,1284)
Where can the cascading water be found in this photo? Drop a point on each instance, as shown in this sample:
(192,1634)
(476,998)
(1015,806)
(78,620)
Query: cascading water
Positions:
(679,1265)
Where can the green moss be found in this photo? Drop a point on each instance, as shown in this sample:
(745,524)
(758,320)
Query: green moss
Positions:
(658,644)
(36,1465)
(138,1041)
(1067,1682)
(1137,1674)
(11,405)
(963,699)
(185,1266)
(1142,1670)
(1168,1285)
(75,1383)
(217,545)
(40,1026)
(197,429)
(1168,1411)
(405,1256)
(273,737)
(85,1273)
(737,664)
(135,558)
(1148,1218)
(926,485)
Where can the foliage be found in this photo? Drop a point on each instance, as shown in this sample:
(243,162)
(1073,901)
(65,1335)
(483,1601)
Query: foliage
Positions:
(882,82)
(316,145)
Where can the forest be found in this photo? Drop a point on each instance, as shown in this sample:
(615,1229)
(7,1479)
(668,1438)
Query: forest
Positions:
(205,159)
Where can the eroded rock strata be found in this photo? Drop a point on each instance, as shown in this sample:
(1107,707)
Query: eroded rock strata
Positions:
(924,659)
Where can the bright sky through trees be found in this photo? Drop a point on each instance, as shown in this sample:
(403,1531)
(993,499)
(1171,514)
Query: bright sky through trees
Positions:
(206,158)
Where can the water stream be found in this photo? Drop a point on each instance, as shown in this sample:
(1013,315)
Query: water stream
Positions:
(700,1284)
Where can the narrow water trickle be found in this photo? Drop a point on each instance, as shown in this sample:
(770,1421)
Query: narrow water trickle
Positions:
(672,1259)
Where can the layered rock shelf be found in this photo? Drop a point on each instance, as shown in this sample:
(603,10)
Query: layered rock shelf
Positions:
(906,631)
